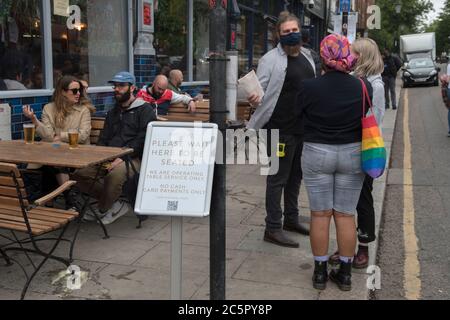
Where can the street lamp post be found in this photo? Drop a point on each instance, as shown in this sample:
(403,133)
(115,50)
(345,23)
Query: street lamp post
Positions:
(398,7)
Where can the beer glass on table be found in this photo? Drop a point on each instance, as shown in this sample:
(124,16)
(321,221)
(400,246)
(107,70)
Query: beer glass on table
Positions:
(28,132)
(73,138)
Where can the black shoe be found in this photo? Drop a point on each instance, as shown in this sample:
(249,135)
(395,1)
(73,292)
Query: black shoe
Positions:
(387,107)
(296,227)
(343,276)
(279,238)
(394,108)
(320,276)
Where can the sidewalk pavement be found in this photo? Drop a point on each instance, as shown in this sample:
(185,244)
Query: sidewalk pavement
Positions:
(135,263)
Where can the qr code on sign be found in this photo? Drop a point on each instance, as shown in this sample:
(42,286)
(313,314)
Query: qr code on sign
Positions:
(172,205)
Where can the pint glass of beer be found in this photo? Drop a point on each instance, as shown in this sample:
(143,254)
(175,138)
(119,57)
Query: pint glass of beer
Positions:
(28,133)
(73,138)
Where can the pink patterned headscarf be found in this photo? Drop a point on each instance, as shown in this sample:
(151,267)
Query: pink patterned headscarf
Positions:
(335,52)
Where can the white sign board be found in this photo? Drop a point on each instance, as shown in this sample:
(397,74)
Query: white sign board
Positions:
(5,122)
(177,169)
(60,7)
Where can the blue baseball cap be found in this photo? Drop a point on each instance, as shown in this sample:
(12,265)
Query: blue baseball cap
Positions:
(124,77)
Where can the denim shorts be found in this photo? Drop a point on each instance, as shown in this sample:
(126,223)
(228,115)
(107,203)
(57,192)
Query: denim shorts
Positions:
(333,176)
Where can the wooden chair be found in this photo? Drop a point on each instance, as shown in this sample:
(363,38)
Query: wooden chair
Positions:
(97,124)
(29,223)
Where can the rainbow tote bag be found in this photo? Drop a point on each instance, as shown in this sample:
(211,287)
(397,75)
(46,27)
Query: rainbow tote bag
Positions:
(373,151)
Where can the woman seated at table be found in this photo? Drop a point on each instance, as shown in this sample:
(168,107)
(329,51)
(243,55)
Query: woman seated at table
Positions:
(67,111)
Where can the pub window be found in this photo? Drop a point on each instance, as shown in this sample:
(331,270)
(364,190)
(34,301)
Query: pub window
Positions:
(171,36)
(21,45)
(91,41)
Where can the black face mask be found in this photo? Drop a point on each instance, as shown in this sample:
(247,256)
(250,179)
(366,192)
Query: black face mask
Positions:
(124,97)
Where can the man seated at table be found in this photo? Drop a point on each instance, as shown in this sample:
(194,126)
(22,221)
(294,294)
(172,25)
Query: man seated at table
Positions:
(125,126)
(160,97)
(175,81)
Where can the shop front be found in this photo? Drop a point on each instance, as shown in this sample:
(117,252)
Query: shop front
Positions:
(42,40)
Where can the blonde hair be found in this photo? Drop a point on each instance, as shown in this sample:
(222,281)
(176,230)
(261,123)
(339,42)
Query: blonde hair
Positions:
(370,62)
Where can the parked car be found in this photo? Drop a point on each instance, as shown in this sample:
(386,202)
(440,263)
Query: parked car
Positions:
(420,71)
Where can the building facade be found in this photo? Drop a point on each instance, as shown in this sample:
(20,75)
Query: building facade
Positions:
(43,40)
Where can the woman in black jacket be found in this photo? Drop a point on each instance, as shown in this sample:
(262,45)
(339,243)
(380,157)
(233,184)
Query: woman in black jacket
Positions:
(331,162)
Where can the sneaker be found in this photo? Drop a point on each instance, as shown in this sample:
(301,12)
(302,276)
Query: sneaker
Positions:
(118,209)
(90,213)
(448,135)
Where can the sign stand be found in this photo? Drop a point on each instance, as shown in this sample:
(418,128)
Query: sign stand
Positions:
(176,258)
(176,179)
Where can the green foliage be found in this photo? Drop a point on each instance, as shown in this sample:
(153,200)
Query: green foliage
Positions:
(170,26)
(393,24)
(442,28)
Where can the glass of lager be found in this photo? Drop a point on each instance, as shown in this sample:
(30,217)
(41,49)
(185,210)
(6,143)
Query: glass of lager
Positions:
(28,132)
(73,138)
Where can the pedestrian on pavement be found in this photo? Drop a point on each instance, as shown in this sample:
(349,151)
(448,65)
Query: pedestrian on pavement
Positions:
(332,110)
(160,97)
(125,126)
(280,73)
(448,97)
(389,77)
(306,46)
(369,65)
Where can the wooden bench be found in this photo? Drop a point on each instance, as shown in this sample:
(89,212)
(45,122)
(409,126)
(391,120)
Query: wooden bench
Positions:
(178,113)
(17,215)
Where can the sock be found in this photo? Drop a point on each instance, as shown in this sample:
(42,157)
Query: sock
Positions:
(364,245)
(346,259)
(321,258)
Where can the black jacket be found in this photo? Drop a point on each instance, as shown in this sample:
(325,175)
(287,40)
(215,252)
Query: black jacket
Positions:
(332,108)
(390,67)
(316,58)
(127,128)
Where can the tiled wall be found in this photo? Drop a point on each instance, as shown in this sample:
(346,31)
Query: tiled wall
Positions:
(144,69)
(102,101)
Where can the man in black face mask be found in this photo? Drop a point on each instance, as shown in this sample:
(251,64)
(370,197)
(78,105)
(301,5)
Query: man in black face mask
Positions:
(125,126)
(281,72)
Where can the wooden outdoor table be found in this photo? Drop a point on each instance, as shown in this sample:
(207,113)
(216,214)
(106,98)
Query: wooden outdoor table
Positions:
(58,155)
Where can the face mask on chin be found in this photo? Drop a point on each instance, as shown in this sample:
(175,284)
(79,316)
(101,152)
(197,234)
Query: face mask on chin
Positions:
(291,40)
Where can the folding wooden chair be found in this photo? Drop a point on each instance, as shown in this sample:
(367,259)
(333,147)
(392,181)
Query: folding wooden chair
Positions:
(30,224)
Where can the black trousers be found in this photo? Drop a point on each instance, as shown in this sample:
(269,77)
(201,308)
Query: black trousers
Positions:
(288,179)
(366,213)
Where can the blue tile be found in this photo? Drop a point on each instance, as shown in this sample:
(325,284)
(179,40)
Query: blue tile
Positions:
(28,100)
(15,101)
(17,110)
(17,118)
(17,136)
(42,99)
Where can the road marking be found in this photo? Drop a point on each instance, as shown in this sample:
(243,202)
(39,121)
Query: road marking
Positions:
(412,282)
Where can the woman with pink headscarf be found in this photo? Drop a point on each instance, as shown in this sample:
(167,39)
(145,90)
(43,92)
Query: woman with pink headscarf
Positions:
(332,110)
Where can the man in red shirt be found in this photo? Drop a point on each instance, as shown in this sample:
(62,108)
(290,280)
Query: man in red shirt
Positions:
(161,98)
